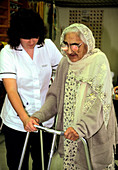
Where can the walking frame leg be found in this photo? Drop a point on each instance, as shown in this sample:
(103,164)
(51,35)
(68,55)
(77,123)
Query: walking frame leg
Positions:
(23,152)
(86,153)
(52,151)
(42,153)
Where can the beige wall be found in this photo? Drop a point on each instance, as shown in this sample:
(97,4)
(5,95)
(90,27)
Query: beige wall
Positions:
(110,38)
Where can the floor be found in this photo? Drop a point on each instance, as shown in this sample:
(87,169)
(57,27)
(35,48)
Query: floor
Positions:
(3,164)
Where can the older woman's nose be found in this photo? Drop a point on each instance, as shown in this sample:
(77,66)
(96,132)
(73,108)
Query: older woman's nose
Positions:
(69,50)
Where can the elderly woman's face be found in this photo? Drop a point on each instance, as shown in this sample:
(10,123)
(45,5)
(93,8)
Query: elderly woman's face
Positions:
(75,48)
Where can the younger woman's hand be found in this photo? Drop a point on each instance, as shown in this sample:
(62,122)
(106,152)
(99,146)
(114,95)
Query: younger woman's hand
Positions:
(29,124)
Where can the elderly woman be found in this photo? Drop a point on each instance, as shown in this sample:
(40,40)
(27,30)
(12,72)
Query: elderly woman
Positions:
(81,94)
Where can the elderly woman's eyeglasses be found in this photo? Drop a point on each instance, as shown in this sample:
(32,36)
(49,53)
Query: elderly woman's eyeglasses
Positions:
(74,46)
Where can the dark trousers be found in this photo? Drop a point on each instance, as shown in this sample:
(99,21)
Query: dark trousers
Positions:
(14,141)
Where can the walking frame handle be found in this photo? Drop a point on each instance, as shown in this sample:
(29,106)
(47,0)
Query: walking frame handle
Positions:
(49,130)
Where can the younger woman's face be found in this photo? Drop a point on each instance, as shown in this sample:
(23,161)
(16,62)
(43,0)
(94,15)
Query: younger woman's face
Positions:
(74,54)
(29,43)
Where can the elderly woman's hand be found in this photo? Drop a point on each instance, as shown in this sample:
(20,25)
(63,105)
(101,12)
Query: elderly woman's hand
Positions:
(29,124)
(71,134)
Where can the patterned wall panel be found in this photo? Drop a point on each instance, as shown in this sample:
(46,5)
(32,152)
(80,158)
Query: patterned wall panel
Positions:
(92,18)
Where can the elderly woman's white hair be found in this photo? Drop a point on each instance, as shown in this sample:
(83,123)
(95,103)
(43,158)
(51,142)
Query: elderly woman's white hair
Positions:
(84,33)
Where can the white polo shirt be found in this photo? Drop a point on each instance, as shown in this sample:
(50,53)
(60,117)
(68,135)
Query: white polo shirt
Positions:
(32,77)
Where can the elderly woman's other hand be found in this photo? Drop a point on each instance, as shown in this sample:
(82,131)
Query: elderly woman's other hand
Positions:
(29,124)
(71,134)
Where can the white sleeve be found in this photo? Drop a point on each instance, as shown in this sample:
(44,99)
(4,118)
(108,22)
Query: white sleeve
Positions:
(7,66)
(55,54)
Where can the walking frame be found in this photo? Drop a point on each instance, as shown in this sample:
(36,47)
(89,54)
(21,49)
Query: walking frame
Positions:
(55,132)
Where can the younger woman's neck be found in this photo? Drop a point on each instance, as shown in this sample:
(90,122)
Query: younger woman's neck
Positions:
(30,52)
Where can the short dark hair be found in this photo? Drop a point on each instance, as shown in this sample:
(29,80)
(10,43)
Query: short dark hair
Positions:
(25,23)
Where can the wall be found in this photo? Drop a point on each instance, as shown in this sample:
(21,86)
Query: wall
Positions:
(109,43)
(110,38)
